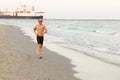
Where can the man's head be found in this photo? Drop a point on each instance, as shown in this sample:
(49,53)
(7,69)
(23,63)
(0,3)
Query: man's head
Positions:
(40,20)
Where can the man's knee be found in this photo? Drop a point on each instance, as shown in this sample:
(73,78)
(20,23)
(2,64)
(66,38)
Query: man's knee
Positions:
(39,45)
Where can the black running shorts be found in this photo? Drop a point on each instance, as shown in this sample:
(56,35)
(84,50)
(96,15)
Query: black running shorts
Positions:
(40,40)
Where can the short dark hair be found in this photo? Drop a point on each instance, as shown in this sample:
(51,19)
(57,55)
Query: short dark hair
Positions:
(40,20)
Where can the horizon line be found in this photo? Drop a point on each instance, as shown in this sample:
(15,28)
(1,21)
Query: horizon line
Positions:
(79,19)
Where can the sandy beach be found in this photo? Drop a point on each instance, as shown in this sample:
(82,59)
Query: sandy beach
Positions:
(19,60)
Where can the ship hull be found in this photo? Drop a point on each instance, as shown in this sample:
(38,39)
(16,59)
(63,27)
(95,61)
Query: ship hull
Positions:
(21,17)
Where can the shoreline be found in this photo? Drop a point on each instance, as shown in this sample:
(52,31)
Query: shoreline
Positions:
(22,62)
(19,60)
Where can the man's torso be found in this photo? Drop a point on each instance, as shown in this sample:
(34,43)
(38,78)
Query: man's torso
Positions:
(40,30)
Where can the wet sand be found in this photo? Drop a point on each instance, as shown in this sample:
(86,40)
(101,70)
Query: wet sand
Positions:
(19,60)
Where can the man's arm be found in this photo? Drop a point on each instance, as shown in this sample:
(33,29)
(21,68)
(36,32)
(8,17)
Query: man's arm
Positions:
(45,30)
(35,29)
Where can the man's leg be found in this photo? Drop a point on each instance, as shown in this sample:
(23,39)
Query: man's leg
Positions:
(39,50)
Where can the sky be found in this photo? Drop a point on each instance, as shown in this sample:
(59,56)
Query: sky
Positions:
(69,9)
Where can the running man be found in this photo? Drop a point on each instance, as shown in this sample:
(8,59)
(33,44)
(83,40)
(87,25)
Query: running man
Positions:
(40,30)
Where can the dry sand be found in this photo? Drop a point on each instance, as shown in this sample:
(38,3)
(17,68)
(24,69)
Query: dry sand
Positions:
(19,60)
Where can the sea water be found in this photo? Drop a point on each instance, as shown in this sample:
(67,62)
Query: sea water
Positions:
(96,38)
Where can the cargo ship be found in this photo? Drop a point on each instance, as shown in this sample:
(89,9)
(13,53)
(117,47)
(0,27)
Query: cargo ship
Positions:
(23,12)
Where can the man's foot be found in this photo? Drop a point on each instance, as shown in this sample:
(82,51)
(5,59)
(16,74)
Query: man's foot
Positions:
(40,57)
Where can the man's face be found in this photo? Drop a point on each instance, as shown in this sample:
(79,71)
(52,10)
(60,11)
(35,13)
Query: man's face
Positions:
(40,21)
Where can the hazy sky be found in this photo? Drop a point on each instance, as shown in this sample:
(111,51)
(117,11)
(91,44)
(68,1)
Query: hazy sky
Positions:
(80,9)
